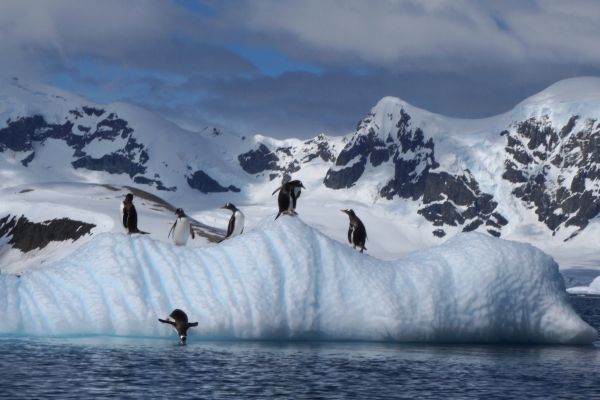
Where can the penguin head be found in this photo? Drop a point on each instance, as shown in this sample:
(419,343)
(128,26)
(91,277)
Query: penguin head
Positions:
(297,183)
(179,212)
(230,206)
(129,197)
(182,339)
(350,212)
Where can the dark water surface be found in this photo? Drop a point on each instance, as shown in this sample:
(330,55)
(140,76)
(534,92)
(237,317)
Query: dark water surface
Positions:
(107,367)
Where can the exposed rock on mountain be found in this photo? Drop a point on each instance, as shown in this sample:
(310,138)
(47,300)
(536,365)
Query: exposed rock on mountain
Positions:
(556,169)
(26,235)
(396,146)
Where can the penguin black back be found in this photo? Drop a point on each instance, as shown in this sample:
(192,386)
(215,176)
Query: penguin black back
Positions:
(129,214)
(357,233)
(289,192)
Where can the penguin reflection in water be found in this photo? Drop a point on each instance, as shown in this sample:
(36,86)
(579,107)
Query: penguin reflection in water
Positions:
(288,195)
(180,323)
(236,222)
(181,229)
(357,234)
(129,215)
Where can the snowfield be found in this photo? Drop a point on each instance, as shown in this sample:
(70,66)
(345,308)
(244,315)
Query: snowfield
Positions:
(285,280)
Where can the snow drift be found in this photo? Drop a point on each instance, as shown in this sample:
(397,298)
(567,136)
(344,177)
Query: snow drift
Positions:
(285,280)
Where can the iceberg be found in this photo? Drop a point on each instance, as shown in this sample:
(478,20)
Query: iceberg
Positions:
(284,280)
(592,289)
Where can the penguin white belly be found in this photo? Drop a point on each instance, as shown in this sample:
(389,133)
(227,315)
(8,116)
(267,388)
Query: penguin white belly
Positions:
(181,233)
(239,224)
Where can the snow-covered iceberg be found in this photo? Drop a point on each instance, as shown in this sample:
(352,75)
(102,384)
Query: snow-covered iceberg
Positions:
(592,289)
(285,280)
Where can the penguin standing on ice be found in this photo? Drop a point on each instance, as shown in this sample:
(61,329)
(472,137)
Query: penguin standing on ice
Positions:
(180,323)
(288,195)
(129,215)
(236,222)
(181,229)
(357,234)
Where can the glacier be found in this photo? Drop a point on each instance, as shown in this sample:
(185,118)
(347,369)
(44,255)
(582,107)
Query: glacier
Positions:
(284,280)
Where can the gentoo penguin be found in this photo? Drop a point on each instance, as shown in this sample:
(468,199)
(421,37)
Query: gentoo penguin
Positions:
(181,229)
(181,324)
(288,195)
(130,215)
(236,222)
(357,234)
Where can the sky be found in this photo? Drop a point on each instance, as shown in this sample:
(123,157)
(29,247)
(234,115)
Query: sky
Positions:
(297,68)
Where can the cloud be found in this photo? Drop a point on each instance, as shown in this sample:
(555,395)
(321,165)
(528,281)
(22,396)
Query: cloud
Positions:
(155,35)
(436,34)
(297,68)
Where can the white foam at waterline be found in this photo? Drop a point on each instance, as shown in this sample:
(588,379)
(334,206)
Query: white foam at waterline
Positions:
(285,280)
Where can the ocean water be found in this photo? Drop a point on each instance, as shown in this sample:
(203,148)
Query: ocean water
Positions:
(113,367)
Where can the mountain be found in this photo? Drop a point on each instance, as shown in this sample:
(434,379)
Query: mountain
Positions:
(415,178)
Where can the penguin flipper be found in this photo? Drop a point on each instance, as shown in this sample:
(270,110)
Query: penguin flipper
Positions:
(231,225)
(172,228)
(166,321)
(276,190)
(192,324)
(350,234)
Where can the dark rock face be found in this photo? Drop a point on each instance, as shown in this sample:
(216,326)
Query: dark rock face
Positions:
(204,183)
(131,159)
(26,235)
(284,161)
(156,182)
(259,160)
(111,163)
(550,166)
(447,199)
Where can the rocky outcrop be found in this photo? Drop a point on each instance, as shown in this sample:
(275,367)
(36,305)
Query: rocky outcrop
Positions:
(130,158)
(555,169)
(283,161)
(201,181)
(446,198)
(26,235)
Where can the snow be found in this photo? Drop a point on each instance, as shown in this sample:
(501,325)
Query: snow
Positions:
(285,280)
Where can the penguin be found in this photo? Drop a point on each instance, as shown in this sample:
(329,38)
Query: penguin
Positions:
(130,215)
(288,195)
(357,234)
(181,229)
(236,222)
(181,324)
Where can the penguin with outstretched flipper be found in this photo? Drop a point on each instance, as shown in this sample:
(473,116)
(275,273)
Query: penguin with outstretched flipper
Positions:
(289,192)
(181,324)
